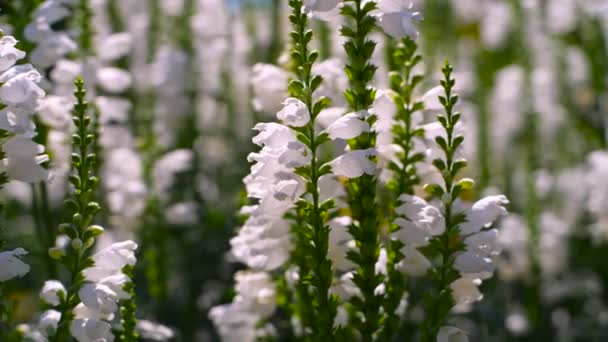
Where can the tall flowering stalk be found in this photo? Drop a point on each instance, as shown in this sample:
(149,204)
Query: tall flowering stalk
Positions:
(312,232)
(405,177)
(449,242)
(362,190)
(460,236)
(80,230)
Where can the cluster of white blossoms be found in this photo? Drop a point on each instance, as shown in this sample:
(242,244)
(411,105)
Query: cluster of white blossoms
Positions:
(20,95)
(100,296)
(255,300)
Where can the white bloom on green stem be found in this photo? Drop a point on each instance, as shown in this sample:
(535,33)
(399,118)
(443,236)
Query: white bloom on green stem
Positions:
(397,20)
(347,127)
(111,260)
(99,297)
(9,54)
(50,292)
(294,113)
(48,322)
(353,164)
(91,330)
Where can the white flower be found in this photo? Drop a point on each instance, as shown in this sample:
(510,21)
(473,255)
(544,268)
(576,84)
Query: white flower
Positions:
(347,127)
(294,113)
(55,111)
(20,87)
(397,21)
(465,291)
(234,324)
(340,242)
(482,213)
(154,331)
(48,322)
(23,158)
(451,334)
(17,120)
(114,80)
(256,293)
(8,53)
(99,298)
(269,87)
(111,260)
(353,164)
(168,167)
(334,82)
(114,46)
(91,330)
(50,292)
(321,5)
(414,263)
(11,265)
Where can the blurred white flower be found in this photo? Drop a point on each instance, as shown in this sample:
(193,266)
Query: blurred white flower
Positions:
(269,85)
(11,265)
(451,334)
(154,331)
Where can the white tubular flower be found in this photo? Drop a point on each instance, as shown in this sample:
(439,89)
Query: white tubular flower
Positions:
(347,127)
(114,46)
(154,331)
(116,283)
(334,82)
(168,167)
(451,334)
(99,298)
(111,260)
(465,291)
(9,55)
(263,243)
(482,213)
(20,87)
(353,164)
(50,292)
(23,159)
(269,84)
(48,322)
(396,20)
(414,263)
(114,80)
(256,293)
(11,265)
(321,5)
(233,324)
(340,242)
(91,330)
(294,113)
